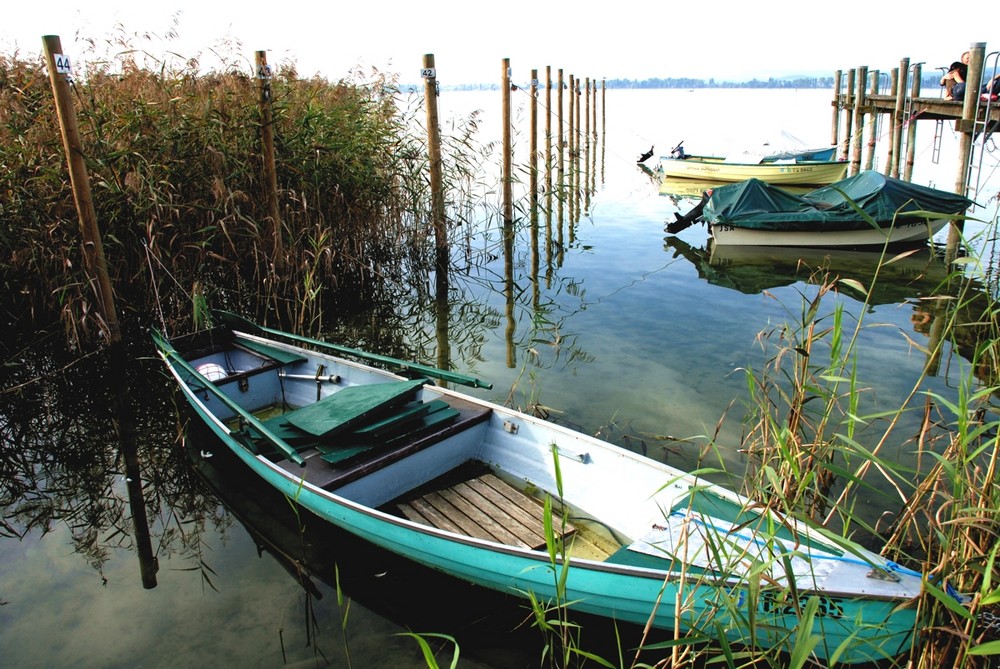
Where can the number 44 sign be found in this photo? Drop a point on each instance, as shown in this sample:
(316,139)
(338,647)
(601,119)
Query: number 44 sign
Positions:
(62,63)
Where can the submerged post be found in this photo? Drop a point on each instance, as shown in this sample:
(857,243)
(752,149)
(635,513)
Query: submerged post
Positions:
(93,248)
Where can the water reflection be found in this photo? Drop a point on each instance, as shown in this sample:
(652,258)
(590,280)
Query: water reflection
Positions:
(753,269)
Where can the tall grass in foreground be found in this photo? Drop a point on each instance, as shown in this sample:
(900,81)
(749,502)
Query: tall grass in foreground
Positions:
(819,447)
(807,409)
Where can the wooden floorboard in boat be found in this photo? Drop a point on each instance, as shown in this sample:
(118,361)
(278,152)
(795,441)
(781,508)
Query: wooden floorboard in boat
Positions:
(485,508)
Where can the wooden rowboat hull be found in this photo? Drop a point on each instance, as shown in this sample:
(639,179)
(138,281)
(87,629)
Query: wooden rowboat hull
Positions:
(714,169)
(637,544)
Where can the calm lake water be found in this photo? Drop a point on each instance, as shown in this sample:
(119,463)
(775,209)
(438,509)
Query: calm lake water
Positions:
(623,331)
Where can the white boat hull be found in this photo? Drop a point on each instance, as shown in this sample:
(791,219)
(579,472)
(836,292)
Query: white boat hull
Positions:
(901,233)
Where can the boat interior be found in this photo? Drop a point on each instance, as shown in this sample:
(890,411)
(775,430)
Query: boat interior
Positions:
(351,434)
(420,452)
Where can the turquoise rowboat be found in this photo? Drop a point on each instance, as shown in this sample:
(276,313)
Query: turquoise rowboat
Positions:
(515,503)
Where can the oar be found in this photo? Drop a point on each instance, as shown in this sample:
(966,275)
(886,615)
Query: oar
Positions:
(168,351)
(433,372)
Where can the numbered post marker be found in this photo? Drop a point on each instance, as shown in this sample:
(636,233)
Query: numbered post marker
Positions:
(62,63)
(428,72)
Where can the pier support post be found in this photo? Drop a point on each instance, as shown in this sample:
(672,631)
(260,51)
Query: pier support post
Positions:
(966,135)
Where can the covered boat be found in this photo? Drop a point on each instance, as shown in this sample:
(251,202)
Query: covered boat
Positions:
(863,210)
(523,506)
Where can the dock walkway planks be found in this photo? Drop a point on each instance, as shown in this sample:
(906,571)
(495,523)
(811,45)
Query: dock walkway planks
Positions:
(484,508)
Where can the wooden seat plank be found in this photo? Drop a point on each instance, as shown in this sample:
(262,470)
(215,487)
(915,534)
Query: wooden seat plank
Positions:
(485,508)
(490,523)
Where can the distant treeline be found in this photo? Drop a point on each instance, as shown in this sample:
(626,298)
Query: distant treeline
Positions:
(928,82)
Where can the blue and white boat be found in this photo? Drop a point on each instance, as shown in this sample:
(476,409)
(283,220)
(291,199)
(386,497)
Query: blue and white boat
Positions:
(518,504)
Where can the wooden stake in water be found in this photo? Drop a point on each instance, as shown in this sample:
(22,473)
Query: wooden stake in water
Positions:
(438,219)
(508,198)
(897,118)
(93,249)
(859,120)
(270,171)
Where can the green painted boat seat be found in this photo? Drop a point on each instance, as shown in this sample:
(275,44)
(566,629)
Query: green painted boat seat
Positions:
(349,407)
(438,414)
(278,355)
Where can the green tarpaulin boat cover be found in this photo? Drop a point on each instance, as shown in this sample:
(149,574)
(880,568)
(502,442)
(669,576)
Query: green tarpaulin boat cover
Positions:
(762,206)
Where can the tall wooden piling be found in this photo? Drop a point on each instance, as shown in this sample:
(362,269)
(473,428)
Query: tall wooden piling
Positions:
(844,150)
(859,120)
(872,123)
(438,217)
(911,125)
(270,171)
(94,261)
(508,199)
(835,126)
(967,127)
(898,120)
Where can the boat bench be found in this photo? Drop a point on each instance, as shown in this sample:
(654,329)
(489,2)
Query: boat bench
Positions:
(355,421)
(334,461)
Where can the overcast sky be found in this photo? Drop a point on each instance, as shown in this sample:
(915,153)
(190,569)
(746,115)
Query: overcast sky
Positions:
(724,39)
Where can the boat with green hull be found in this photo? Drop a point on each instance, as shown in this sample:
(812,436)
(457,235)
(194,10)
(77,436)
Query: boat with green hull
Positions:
(524,506)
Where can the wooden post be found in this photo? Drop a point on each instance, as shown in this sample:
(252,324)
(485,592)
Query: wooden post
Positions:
(571,140)
(859,119)
(966,127)
(533,167)
(911,125)
(508,199)
(94,262)
(533,198)
(561,199)
(891,156)
(586,144)
(548,137)
(438,218)
(872,124)
(848,116)
(270,172)
(835,127)
(898,120)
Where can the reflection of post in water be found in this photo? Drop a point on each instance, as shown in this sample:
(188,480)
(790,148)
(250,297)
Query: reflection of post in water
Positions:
(508,272)
(938,316)
(148,565)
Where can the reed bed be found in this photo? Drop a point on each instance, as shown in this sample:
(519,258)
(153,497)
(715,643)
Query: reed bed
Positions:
(175,162)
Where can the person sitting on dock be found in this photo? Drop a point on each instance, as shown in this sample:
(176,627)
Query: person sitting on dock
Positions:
(956,74)
(990,91)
